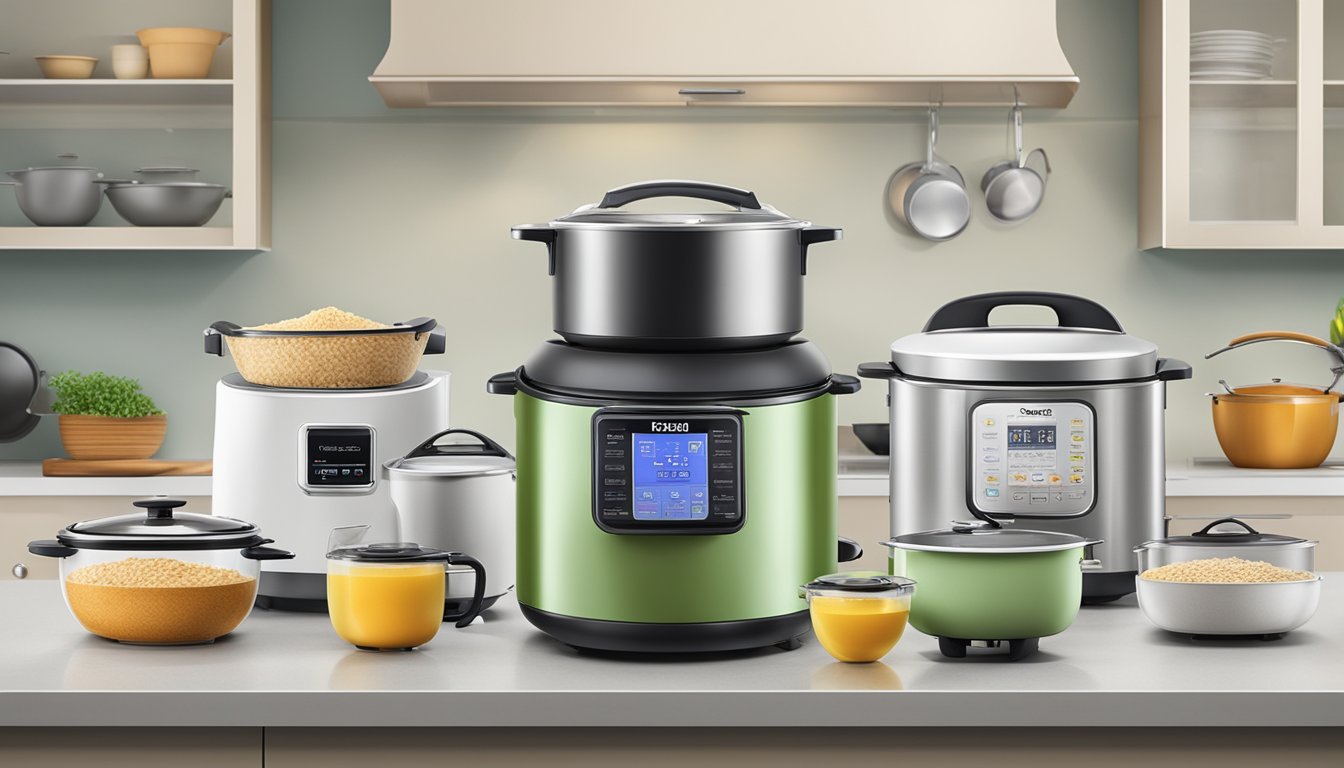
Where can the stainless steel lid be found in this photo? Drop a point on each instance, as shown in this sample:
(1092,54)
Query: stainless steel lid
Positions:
(1229,532)
(747,213)
(434,459)
(979,537)
(161,527)
(1088,345)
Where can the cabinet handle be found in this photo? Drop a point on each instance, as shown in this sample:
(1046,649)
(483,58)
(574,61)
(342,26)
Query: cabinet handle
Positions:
(19,570)
(712,92)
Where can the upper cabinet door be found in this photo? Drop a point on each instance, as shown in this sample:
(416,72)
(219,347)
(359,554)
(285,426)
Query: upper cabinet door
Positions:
(1233,149)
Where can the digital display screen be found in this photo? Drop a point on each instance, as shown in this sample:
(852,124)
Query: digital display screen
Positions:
(671,476)
(1034,437)
(340,456)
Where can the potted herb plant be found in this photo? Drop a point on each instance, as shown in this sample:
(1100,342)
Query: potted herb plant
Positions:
(106,417)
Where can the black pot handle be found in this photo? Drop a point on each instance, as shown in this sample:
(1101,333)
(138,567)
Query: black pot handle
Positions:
(437,344)
(1171,369)
(50,548)
(214,336)
(503,383)
(849,550)
(842,384)
(539,233)
(488,447)
(812,235)
(701,190)
(1208,529)
(877,370)
(478,594)
(1072,311)
(259,552)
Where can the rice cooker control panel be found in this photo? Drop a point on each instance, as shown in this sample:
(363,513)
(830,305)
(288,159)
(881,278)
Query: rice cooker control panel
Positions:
(336,459)
(667,472)
(1032,458)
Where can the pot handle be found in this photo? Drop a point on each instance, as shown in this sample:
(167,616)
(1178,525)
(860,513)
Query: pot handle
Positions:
(214,336)
(877,370)
(701,190)
(539,233)
(1207,530)
(50,548)
(811,235)
(488,447)
(843,385)
(478,593)
(259,552)
(503,383)
(1072,311)
(1171,369)
(848,550)
(1291,336)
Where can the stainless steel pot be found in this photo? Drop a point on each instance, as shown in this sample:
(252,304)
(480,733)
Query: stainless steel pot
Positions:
(930,197)
(1229,537)
(1014,189)
(1061,425)
(166,204)
(460,497)
(57,196)
(685,281)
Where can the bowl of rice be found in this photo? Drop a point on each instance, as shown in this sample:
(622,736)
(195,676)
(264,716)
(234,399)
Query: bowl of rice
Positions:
(1228,596)
(327,348)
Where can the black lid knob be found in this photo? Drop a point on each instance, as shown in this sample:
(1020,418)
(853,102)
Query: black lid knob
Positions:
(160,507)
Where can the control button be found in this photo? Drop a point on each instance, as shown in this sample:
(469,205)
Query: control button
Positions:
(992,492)
(1075,495)
(645,494)
(1077,458)
(620,496)
(1078,469)
(1019,477)
(1019,496)
(1038,477)
(1076,423)
(1056,479)
(345,472)
(694,446)
(991,479)
(990,459)
(613,467)
(1059,497)
(1077,437)
(1040,498)
(613,481)
(613,453)
(989,422)
(698,494)
(990,449)
(359,473)
(697,511)
(1076,479)
(989,435)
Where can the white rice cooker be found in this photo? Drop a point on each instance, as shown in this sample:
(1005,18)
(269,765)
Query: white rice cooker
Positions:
(459,497)
(1062,426)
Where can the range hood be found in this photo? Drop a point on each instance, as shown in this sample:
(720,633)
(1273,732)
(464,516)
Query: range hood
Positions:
(866,53)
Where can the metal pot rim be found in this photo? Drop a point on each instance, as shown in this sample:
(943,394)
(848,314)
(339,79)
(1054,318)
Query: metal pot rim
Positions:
(896,543)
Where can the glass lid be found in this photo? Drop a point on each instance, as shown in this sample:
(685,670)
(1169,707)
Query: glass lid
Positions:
(160,527)
(1229,531)
(988,538)
(861,581)
(389,553)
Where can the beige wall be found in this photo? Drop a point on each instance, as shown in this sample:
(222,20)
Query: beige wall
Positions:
(400,214)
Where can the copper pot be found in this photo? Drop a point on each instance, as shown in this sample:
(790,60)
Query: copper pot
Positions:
(1278,425)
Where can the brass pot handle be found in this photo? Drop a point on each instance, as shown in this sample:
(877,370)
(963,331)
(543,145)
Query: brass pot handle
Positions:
(1295,337)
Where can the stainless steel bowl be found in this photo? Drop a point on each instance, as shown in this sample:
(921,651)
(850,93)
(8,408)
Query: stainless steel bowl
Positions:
(1269,608)
(167,204)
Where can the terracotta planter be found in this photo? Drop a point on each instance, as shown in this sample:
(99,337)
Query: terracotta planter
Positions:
(96,438)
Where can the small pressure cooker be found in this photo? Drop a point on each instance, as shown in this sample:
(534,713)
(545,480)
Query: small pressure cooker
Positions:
(1059,425)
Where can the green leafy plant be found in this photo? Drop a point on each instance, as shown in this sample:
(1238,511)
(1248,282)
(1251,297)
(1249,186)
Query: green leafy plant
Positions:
(98,394)
(1337,324)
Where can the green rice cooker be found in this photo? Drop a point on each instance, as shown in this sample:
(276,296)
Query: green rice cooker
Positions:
(673,501)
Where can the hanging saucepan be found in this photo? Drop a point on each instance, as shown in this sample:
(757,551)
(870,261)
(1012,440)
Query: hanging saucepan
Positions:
(930,197)
(1278,425)
(1014,189)
(20,379)
(690,280)
(57,196)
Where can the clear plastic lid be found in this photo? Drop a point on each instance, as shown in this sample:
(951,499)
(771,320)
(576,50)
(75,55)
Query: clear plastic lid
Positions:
(861,583)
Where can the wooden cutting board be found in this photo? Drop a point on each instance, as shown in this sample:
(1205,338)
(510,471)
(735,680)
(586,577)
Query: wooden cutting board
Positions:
(124,468)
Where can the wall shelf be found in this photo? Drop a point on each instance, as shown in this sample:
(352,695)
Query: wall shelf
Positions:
(184,93)
(118,238)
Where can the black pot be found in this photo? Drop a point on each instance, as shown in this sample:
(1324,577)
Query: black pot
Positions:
(677,281)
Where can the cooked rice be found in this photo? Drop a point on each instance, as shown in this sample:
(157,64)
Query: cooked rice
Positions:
(324,319)
(155,572)
(1225,570)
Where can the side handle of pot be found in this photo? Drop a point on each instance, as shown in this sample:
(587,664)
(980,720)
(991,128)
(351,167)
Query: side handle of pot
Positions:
(503,383)
(50,548)
(843,385)
(882,370)
(437,344)
(477,594)
(539,233)
(812,235)
(1171,369)
(260,552)
(848,550)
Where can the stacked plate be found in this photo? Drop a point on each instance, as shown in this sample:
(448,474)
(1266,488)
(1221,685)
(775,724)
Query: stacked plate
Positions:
(1231,54)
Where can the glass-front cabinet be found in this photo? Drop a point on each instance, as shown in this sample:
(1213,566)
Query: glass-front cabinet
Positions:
(1241,124)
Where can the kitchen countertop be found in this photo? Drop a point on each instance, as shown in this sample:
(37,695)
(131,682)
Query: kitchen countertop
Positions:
(1111,668)
(24,478)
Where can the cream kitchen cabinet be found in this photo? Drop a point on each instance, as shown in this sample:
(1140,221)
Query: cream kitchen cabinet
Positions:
(1229,160)
(219,124)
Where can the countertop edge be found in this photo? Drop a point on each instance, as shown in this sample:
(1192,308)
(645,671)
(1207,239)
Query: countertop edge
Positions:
(674,708)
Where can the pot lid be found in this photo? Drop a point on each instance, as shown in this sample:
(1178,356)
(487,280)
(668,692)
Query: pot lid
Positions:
(1088,345)
(862,581)
(747,213)
(432,458)
(19,380)
(1228,531)
(391,553)
(981,537)
(160,527)
(584,372)
(84,168)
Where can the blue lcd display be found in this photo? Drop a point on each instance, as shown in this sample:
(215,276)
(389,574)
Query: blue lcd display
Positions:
(671,476)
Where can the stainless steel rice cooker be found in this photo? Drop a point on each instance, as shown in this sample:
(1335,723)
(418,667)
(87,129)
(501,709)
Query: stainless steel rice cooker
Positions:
(459,496)
(1060,425)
